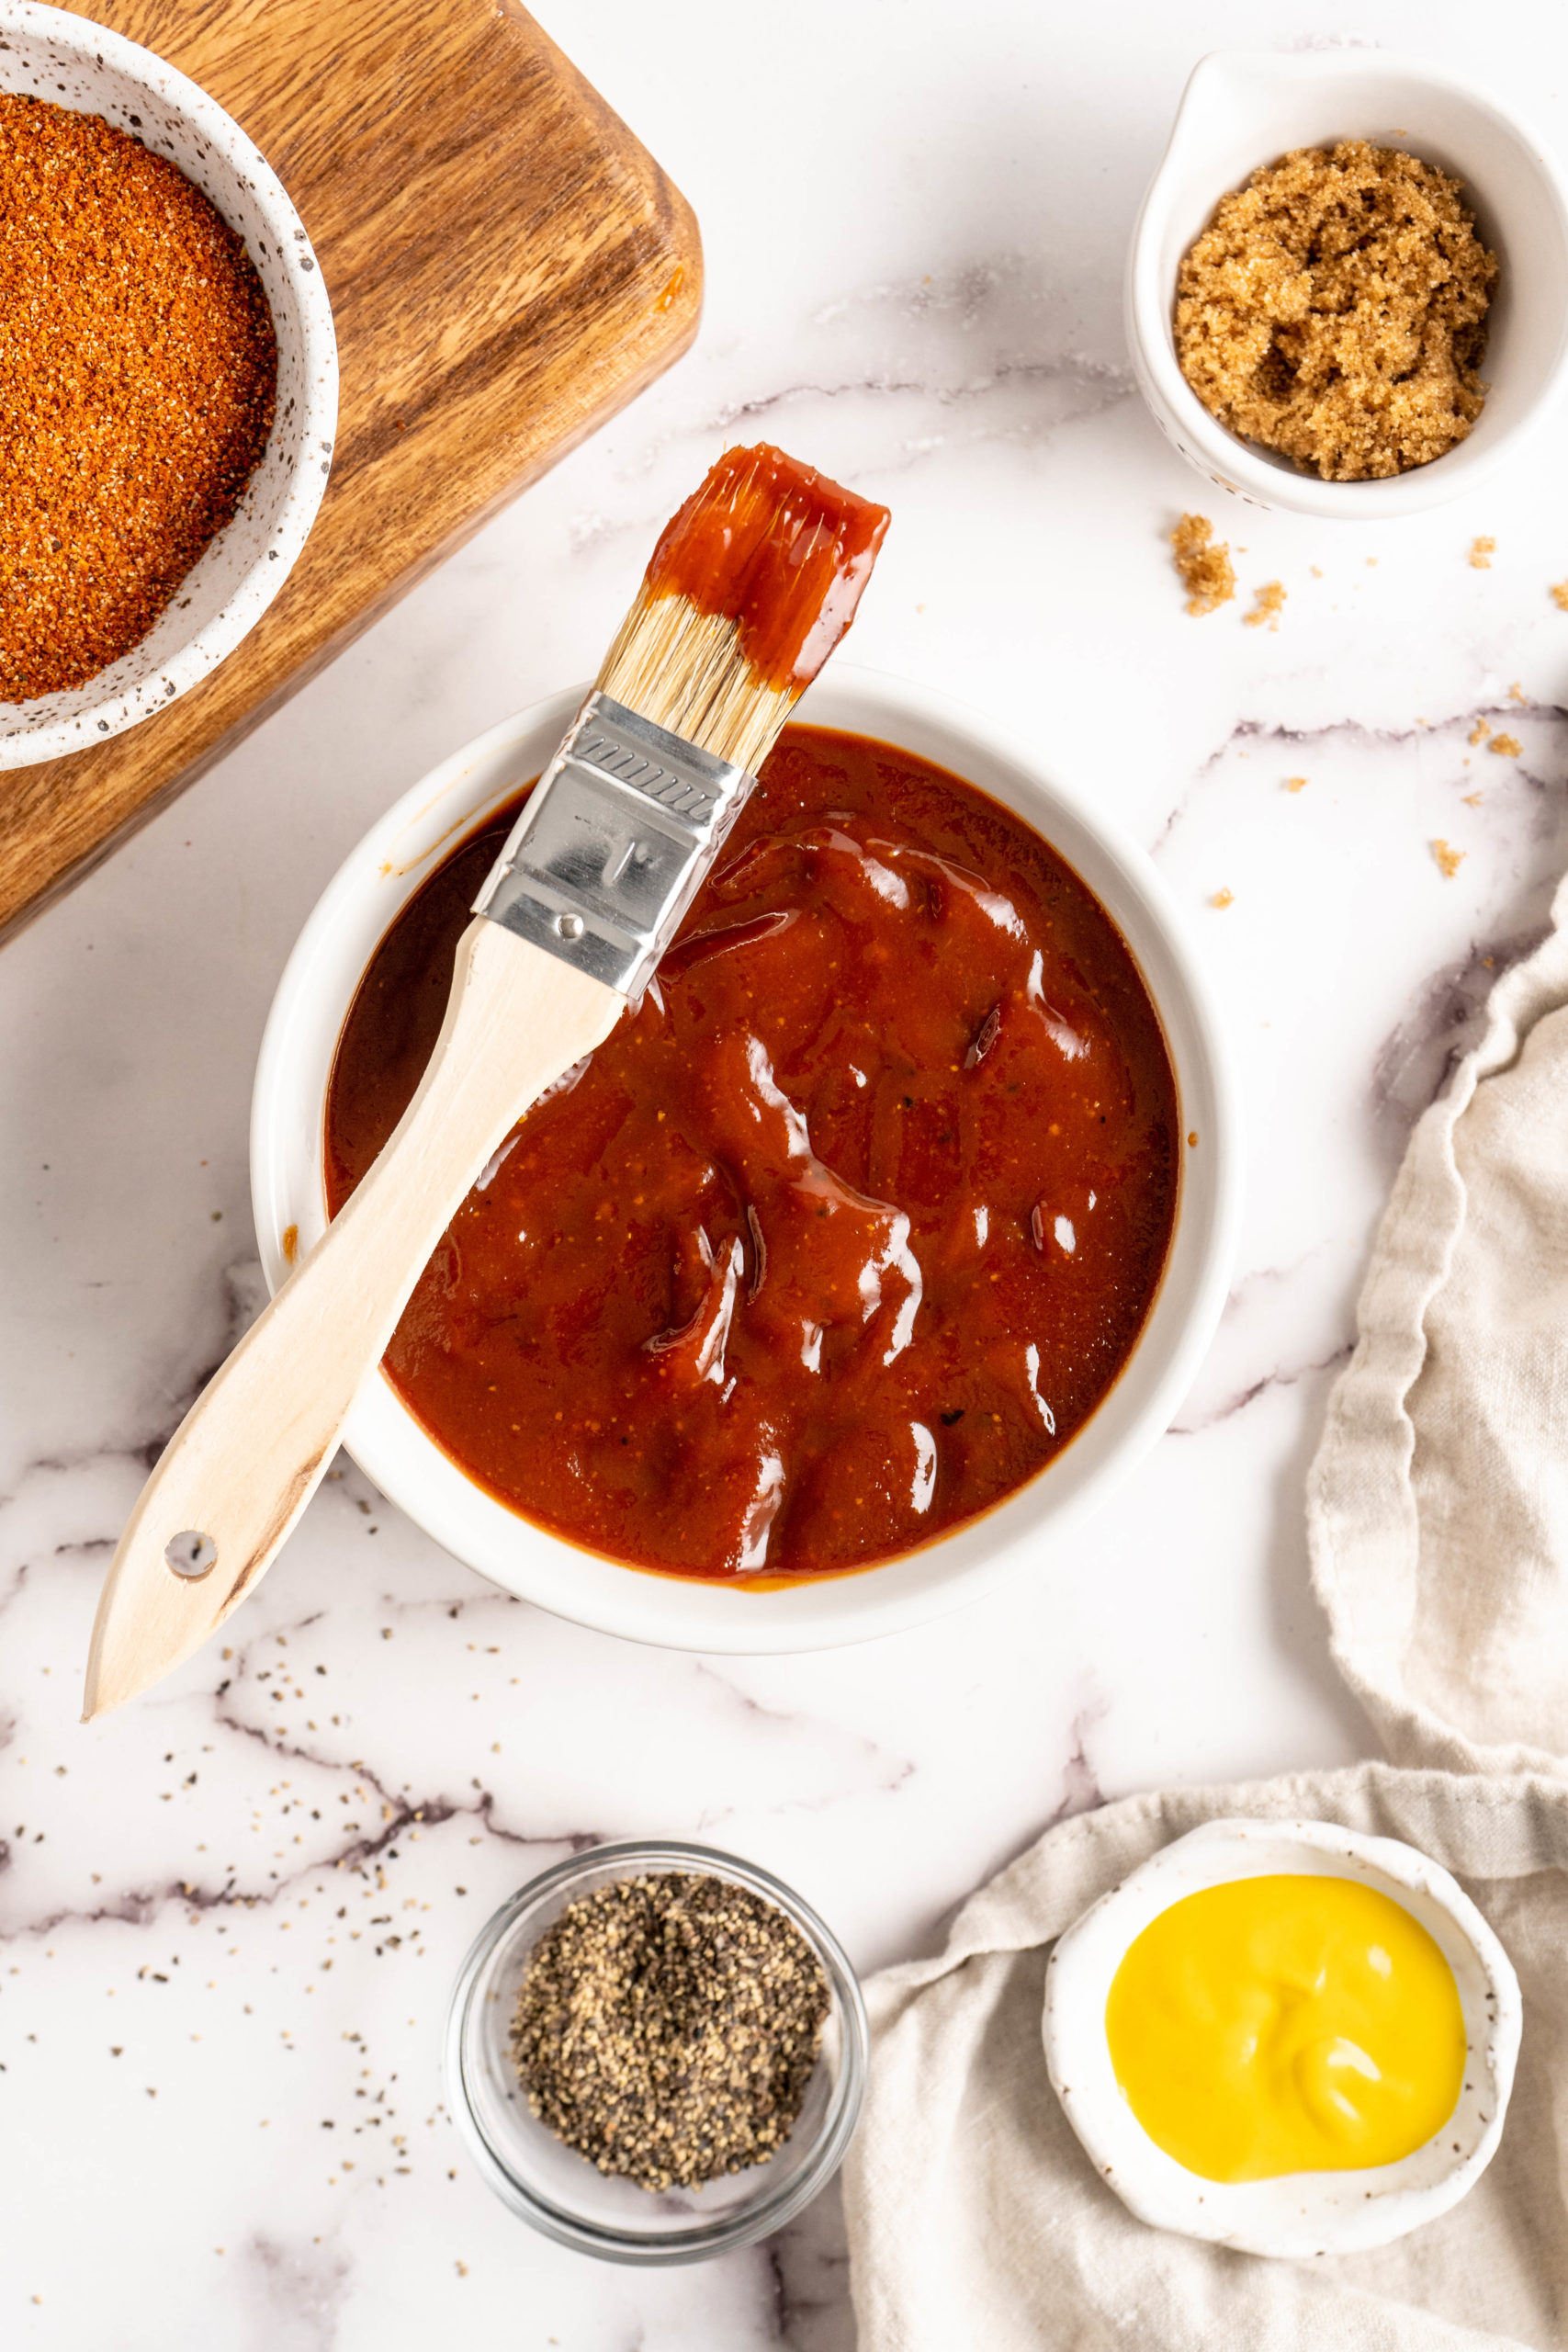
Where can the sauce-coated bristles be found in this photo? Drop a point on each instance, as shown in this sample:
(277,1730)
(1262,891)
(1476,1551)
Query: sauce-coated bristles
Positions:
(751,585)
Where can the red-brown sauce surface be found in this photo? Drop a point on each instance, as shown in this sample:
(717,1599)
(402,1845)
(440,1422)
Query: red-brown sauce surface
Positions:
(841,1235)
(780,550)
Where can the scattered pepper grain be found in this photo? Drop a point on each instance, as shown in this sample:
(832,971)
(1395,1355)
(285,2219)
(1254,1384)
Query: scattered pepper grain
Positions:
(1207,572)
(668,2027)
(137,376)
(1334,310)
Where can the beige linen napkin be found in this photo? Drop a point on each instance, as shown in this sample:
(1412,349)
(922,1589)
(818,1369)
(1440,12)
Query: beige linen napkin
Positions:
(1437,1517)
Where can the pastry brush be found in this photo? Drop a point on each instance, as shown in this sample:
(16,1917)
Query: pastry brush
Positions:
(751,586)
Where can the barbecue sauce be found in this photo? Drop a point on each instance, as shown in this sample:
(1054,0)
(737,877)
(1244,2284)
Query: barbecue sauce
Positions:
(776,547)
(848,1226)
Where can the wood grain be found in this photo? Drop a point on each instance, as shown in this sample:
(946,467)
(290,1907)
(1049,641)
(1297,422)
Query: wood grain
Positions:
(507,267)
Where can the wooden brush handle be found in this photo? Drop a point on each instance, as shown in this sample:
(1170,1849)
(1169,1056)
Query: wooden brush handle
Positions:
(247,1457)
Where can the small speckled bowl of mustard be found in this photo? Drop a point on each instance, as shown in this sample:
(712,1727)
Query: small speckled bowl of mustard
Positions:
(1284,2037)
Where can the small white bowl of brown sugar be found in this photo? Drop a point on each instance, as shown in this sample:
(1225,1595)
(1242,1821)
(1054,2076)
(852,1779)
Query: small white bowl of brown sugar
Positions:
(1348,288)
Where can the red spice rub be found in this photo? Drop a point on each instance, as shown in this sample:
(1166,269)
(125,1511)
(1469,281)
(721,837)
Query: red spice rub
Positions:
(137,371)
(841,1235)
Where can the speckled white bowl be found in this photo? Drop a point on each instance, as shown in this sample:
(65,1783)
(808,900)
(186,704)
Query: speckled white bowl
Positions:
(1305,2213)
(1031,1532)
(1244,107)
(47,53)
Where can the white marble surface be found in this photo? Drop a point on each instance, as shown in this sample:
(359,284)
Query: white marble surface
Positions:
(919,290)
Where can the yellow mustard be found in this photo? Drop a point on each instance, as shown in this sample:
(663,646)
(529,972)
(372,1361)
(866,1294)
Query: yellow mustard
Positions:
(1286,2024)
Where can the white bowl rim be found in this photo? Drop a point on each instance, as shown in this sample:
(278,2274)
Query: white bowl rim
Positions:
(199,655)
(1226,459)
(670,1612)
(1292,2216)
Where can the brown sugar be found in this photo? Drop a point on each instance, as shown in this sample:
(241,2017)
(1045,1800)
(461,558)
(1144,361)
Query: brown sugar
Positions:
(1508,747)
(138,374)
(1223,899)
(1481,554)
(1295,784)
(1334,310)
(1560,595)
(1268,600)
(1448,859)
(1207,572)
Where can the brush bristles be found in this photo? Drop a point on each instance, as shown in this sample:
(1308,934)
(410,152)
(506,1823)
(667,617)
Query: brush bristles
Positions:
(684,670)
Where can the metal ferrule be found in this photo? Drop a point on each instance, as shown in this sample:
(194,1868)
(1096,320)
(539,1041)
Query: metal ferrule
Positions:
(616,839)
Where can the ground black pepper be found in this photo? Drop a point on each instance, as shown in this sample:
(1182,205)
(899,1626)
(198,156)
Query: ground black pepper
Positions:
(668,2027)
(137,376)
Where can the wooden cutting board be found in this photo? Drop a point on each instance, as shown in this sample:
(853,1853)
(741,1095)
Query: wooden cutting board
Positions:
(507,267)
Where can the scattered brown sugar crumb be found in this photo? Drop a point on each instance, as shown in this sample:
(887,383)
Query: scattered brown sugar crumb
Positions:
(1317,571)
(1207,572)
(1223,899)
(1474,799)
(138,372)
(1508,747)
(1295,784)
(1560,595)
(1449,858)
(1516,693)
(1334,310)
(1481,554)
(1269,598)
(1479,731)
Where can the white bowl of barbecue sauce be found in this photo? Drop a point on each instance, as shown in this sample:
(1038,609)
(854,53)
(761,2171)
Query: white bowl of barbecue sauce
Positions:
(843,1381)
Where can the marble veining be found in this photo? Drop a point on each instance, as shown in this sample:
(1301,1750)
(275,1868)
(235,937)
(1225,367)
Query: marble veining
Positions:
(221,2099)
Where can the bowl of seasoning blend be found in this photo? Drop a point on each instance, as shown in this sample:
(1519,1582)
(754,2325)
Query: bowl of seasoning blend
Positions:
(1284,2037)
(655,2052)
(867,1254)
(1347,292)
(168,388)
